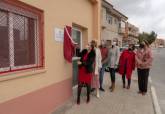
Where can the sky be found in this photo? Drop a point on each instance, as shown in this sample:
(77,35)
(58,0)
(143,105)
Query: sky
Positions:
(148,15)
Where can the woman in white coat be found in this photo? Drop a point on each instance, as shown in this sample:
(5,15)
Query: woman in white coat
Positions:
(95,80)
(113,59)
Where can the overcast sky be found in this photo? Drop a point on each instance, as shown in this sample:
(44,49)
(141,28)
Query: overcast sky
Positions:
(148,15)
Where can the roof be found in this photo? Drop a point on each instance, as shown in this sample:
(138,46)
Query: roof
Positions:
(113,10)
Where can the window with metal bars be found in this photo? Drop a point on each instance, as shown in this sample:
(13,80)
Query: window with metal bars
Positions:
(20,43)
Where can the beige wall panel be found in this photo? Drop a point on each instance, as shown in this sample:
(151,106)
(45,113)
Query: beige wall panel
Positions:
(57,13)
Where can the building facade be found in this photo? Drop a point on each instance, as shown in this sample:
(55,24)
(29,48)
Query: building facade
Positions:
(112,24)
(132,34)
(34,77)
(159,42)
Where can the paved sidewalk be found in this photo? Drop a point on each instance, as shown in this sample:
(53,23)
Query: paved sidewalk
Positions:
(121,101)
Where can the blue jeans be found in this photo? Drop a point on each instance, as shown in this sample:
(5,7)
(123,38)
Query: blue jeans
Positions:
(101,75)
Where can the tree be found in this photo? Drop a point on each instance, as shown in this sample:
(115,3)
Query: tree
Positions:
(150,37)
(143,36)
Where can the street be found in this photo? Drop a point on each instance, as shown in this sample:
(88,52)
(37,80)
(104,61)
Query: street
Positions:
(158,76)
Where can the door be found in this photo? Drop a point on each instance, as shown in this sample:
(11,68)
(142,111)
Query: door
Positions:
(77,37)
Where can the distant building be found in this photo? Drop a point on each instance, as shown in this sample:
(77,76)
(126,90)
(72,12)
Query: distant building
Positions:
(113,24)
(159,42)
(132,34)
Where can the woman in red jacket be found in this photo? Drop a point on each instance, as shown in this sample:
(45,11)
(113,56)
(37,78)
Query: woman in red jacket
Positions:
(127,64)
(86,70)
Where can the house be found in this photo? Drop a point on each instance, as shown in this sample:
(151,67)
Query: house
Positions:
(34,76)
(113,24)
(132,34)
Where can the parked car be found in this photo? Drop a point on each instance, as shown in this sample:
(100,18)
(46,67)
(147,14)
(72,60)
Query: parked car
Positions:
(136,46)
(161,46)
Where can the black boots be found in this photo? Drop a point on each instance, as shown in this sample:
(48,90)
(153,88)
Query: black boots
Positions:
(79,93)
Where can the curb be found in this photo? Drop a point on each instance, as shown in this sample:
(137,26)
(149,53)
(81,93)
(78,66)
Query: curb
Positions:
(155,99)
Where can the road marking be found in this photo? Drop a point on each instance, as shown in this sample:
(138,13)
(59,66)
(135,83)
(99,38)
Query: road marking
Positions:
(162,102)
(155,101)
(150,80)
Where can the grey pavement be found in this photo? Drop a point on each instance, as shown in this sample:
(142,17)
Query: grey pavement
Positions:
(158,76)
(121,101)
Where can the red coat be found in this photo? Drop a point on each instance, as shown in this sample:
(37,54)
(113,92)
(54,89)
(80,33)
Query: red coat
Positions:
(83,75)
(129,57)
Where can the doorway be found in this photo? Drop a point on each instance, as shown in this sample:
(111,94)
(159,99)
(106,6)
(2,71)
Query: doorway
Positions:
(77,37)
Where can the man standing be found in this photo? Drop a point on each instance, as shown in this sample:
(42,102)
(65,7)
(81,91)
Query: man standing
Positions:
(104,54)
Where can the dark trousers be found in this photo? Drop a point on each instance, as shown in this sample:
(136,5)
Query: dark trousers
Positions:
(143,75)
(123,78)
(88,87)
(112,74)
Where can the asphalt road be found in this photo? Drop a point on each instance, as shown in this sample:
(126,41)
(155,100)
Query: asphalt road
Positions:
(158,76)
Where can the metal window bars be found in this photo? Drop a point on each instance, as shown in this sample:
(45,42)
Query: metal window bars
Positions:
(19,42)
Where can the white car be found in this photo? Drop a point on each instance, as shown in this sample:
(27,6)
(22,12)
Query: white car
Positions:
(161,46)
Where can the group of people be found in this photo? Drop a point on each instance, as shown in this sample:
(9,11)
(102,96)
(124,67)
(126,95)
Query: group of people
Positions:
(95,59)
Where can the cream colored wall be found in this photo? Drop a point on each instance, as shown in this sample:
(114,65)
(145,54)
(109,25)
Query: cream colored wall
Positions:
(57,13)
(97,21)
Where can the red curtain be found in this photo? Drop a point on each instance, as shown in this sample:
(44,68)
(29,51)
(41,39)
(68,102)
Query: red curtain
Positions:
(69,47)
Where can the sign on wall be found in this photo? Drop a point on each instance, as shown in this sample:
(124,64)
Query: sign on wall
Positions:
(59,34)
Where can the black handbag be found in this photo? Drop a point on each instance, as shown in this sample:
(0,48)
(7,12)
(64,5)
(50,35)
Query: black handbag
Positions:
(117,68)
(107,69)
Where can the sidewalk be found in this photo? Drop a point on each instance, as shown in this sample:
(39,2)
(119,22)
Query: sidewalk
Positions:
(121,101)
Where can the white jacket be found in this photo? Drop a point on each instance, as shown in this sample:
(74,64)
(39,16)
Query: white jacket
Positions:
(98,59)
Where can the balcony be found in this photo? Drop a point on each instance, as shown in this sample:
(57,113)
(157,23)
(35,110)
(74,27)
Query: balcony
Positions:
(122,31)
(133,34)
(104,24)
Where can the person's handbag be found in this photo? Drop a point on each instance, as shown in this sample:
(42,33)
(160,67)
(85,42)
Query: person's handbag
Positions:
(117,68)
(107,69)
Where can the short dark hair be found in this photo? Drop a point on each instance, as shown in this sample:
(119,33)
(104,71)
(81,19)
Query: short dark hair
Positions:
(133,47)
(146,42)
(93,44)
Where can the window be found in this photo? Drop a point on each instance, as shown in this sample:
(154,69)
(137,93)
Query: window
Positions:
(4,41)
(21,43)
(109,18)
(115,20)
(122,24)
(77,37)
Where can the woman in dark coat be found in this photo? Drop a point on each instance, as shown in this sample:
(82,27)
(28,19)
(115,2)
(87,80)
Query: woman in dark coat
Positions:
(127,64)
(86,70)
